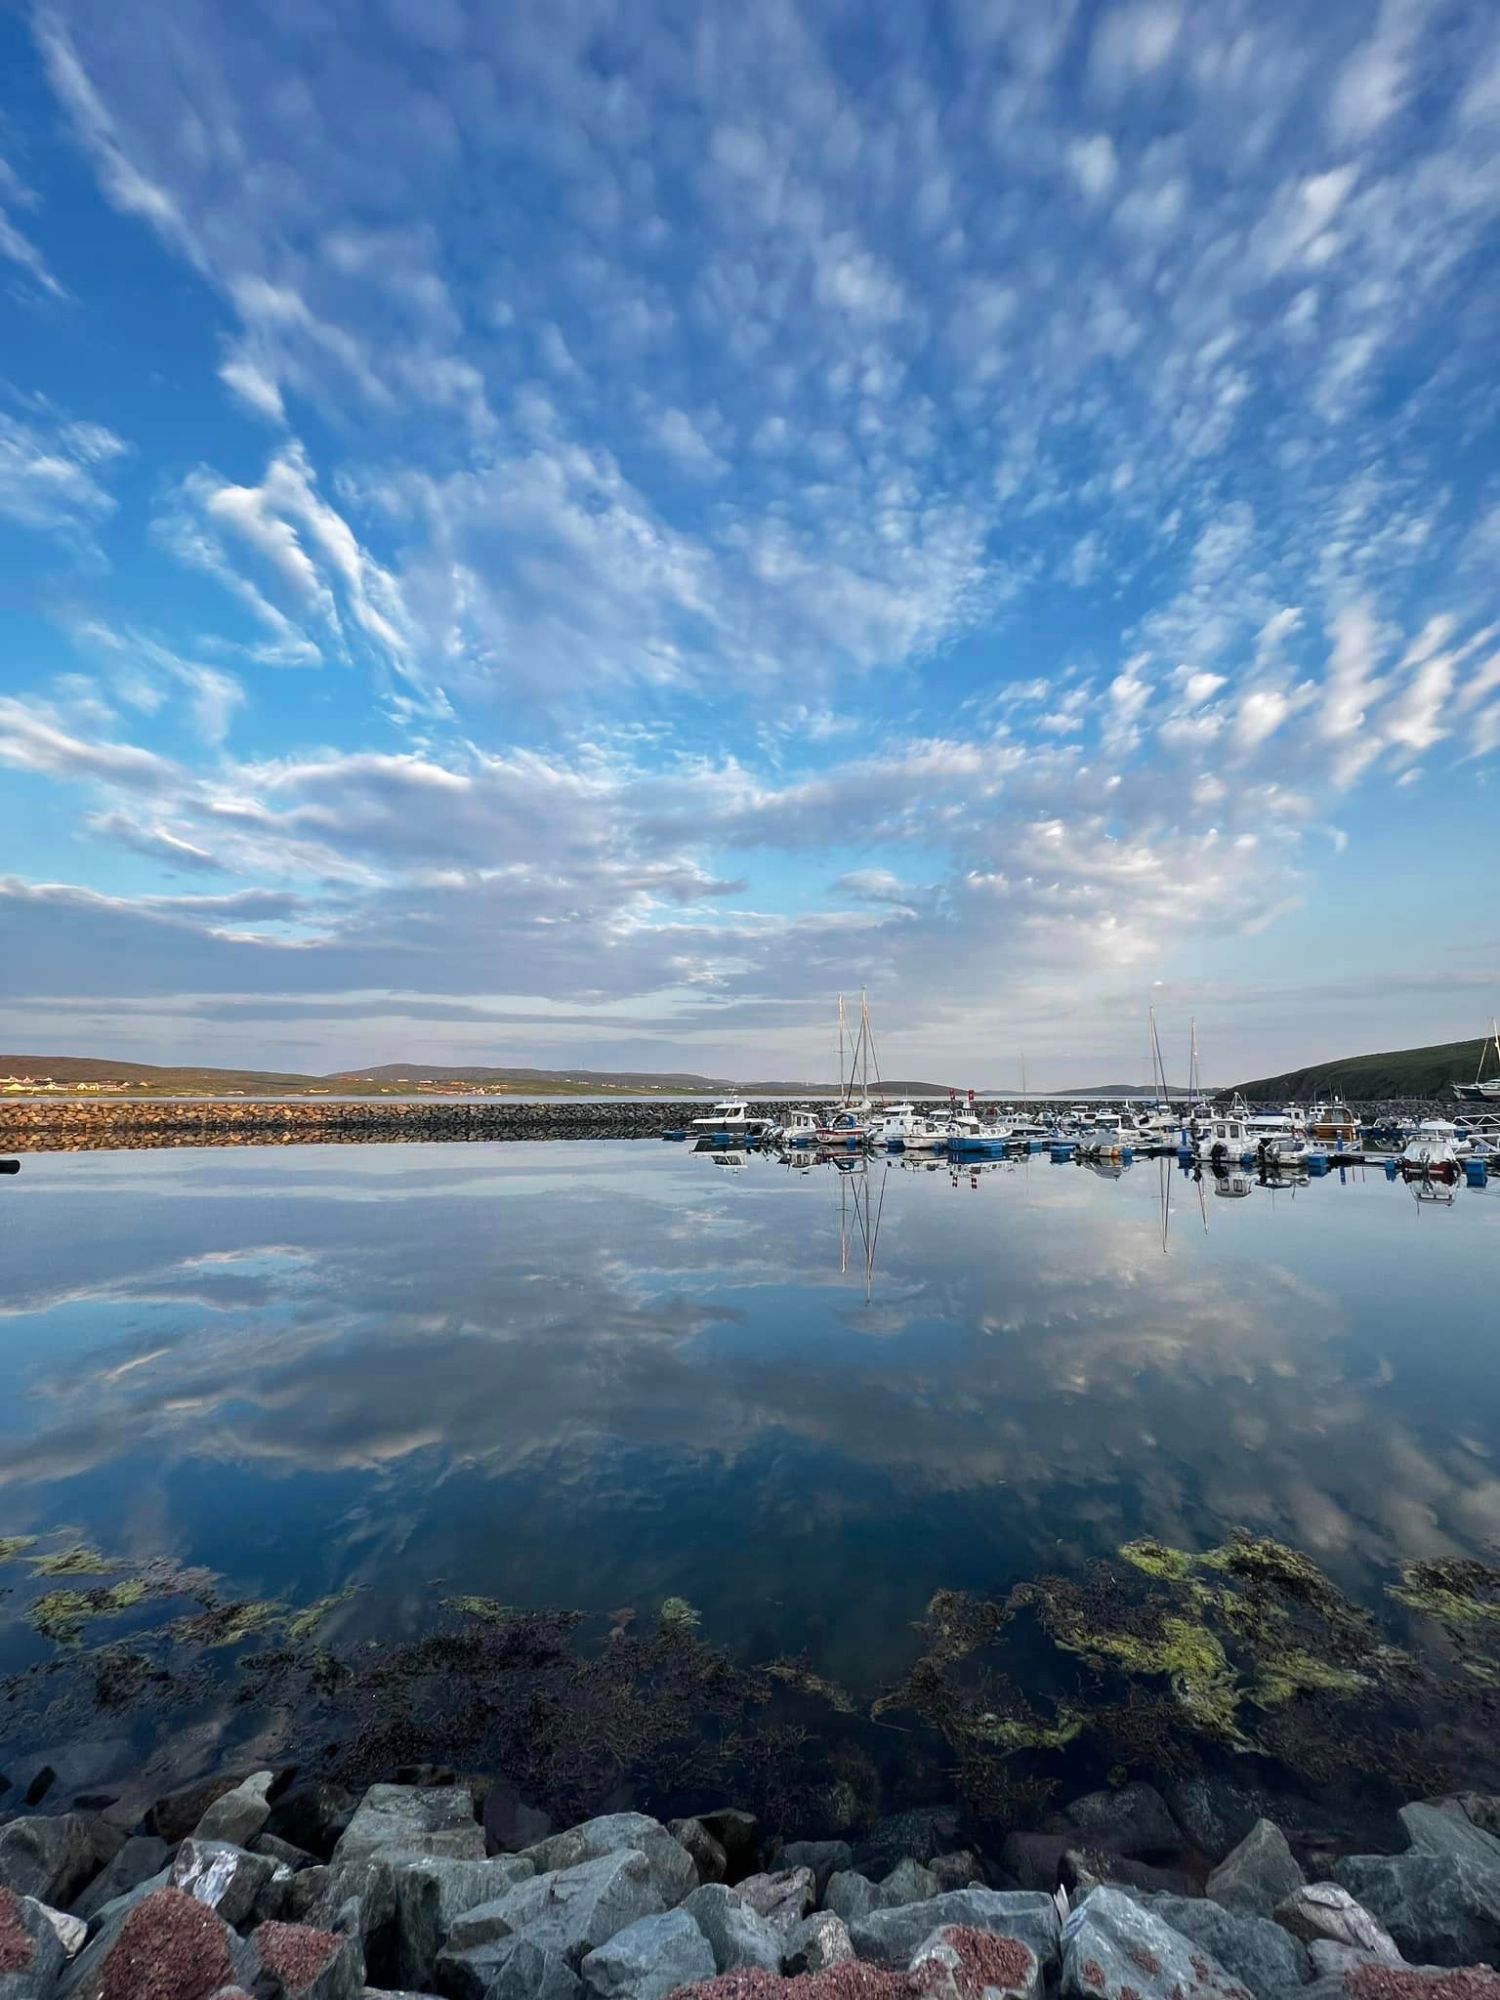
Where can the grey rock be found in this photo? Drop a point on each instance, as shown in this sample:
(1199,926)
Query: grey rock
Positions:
(737,1935)
(176,1814)
(437,1819)
(738,1833)
(141,1857)
(783,1899)
(1411,1982)
(816,1943)
(1440,1909)
(1261,1954)
(949,1966)
(1111,1942)
(1216,1811)
(1260,1873)
(305,1892)
(707,1855)
(1432,1831)
(962,1869)
(141,1926)
(33,1956)
(313,1815)
(824,1857)
(282,1852)
(529,1974)
(1089,1868)
(1328,1957)
(238,1815)
(672,1868)
(53,1858)
(294,1962)
(119,1907)
(510,1822)
(429,1893)
(889,1937)
(1323,1912)
(1035,1859)
(649,1959)
(1481,1809)
(921,1833)
(570,1911)
(852,1896)
(228,1879)
(1131,1819)
(72,1932)
(909,1882)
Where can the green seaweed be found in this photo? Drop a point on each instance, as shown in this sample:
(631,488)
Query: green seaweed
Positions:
(1157,1559)
(1453,1592)
(677,1615)
(305,1623)
(228,1624)
(487,1609)
(78,1561)
(12,1546)
(800,1675)
(62,1614)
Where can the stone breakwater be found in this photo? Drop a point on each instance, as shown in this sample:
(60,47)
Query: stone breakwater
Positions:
(30,1126)
(279,1886)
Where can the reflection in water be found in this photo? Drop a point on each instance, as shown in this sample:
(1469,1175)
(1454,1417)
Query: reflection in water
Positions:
(602,1376)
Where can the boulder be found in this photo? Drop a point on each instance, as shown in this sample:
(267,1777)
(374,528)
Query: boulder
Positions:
(737,1935)
(1258,1874)
(1216,1811)
(31,1952)
(816,1943)
(1035,1859)
(1481,1809)
(1366,1981)
(1432,1831)
(187,1949)
(510,1822)
(1324,1912)
(176,1814)
(1440,1909)
(529,1974)
(783,1899)
(226,1878)
(672,1868)
(889,1937)
(738,1833)
(570,1911)
(1112,1943)
(72,1932)
(313,1816)
(921,1833)
(141,1857)
(707,1856)
(649,1959)
(435,1819)
(851,1896)
(429,1893)
(1130,1819)
(238,1815)
(1085,1868)
(1257,1952)
(909,1882)
(54,1858)
(962,1869)
(283,1853)
(959,1964)
(824,1857)
(296,1962)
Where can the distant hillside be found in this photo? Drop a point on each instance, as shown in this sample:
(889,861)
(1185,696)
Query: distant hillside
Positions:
(551,1079)
(105,1069)
(1399,1073)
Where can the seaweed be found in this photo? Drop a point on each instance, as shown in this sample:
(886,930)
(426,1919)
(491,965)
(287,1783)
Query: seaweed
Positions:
(677,1615)
(12,1546)
(799,1674)
(62,1614)
(77,1561)
(305,1623)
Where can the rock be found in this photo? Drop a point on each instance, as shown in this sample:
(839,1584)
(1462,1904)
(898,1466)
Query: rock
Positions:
(166,1944)
(708,1857)
(570,1910)
(1322,1911)
(672,1868)
(237,1816)
(313,1815)
(649,1959)
(509,1968)
(824,1857)
(1130,1819)
(783,1899)
(1368,1981)
(959,1964)
(226,1878)
(1035,1859)
(738,1833)
(889,1937)
(1257,1952)
(176,1814)
(737,1934)
(510,1824)
(413,1817)
(428,1893)
(962,1869)
(31,1952)
(816,1943)
(72,1932)
(852,1896)
(1481,1809)
(1328,1957)
(1440,1909)
(919,1834)
(1112,1943)
(52,1859)
(295,1962)
(1085,1868)
(1216,1812)
(305,1892)
(1260,1873)
(282,1852)
(141,1857)
(1432,1831)
(909,1882)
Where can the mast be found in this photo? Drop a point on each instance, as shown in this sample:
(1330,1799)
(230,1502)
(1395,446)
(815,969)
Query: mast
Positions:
(1158,1067)
(1195,1082)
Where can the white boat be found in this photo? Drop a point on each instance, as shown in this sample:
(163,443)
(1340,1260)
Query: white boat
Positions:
(1109,1135)
(1434,1152)
(1483,1090)
(1222,1138)
(801,1127)
(733,1117)
(903,1128)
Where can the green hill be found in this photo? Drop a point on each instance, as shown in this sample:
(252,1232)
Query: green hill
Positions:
(1399,1073)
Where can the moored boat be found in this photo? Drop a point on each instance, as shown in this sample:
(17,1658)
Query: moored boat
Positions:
(1434,1152)
(733,1118)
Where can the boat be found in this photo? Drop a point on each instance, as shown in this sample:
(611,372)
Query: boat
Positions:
(903,1128)
(1109,1136)
(801,1127)
(853,1120)
(1334,1124)
(1483,1090)
(1434,1152)
(1223,1138)
(732,1118)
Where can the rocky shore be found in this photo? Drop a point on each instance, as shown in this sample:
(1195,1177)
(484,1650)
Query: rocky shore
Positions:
(265,1885)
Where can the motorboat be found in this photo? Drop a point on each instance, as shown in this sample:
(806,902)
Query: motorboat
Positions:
(1109,1135)
(1335,1125)
(903,1128)
(733,1118)
(1434,1152)
(847,1125)
(1223,1138)
(800,1127)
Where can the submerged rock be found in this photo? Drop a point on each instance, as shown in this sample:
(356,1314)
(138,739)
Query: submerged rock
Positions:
(510,1823)
(738,1833)
(1035,1859)
(1131,1819)
(1258,1874)
(889,1937)
(649,1959)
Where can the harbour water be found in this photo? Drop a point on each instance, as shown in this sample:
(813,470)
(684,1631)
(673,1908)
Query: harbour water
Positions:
(790,1404)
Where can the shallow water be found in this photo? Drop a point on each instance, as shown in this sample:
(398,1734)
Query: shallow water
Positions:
(605,1375)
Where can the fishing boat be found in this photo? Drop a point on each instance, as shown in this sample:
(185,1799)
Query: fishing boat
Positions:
(1223,1138)
(1109,1136)
(903,1128)
(800,1127)
(1334,1124)
(1483,1090)
(1434,1152)
(732,1119)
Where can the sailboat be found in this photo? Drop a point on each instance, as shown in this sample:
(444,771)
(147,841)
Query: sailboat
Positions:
(1483,1090)
(852,1121)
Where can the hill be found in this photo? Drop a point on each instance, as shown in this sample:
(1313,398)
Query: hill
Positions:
(1398,1073)
(105,1069)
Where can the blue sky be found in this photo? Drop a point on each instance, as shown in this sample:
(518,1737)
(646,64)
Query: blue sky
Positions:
(569,534)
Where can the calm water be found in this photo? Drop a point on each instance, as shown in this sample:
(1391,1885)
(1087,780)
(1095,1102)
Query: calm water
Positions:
(602,1375)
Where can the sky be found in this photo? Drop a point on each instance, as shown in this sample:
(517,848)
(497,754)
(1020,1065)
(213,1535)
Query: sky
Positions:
(572,533)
